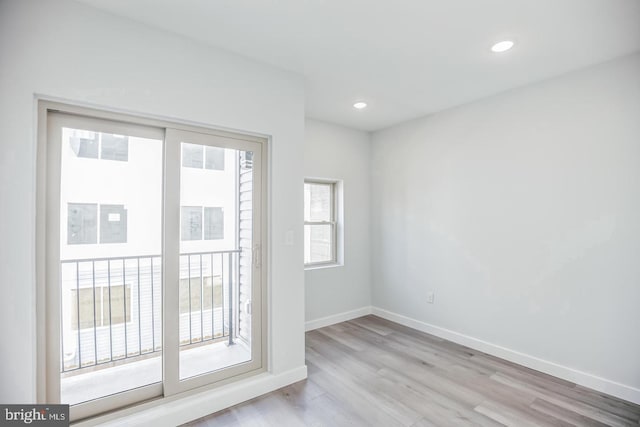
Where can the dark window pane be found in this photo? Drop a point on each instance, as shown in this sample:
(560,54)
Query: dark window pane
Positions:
(214,158)
(113,224)
(82,227)
(213,223)
(191,155)
(115,147)
(191,223)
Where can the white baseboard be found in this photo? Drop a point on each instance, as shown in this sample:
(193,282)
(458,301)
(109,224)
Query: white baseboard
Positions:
(585,379)
(172,412)
(337,318)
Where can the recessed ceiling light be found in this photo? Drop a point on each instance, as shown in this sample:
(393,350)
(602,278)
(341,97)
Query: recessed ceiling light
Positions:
(502,46)
(360,105)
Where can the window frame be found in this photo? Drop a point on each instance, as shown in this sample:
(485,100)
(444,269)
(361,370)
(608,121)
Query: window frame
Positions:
(333,222)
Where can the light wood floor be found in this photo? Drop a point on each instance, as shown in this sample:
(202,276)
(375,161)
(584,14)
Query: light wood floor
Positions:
(372,372)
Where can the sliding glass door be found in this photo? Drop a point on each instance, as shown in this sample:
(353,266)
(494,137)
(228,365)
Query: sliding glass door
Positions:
(153,263)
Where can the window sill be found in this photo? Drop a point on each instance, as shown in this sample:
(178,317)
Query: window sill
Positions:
(322,266)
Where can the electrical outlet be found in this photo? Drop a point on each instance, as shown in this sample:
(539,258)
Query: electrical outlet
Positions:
(430,297)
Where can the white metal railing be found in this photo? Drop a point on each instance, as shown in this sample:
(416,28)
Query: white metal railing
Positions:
(111,307)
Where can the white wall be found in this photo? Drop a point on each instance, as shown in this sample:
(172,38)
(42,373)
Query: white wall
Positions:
(336,152)
(522,213)
(67,50)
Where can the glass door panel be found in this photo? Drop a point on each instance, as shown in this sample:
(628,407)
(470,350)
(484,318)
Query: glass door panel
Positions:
(110,289)
(211,286)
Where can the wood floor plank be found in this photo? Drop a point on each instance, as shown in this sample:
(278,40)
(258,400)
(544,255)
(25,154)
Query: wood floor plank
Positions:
(439,407)
(373,372)
(558,399)
(564,414)
(366,323)
(518,416)
(363,388)
(449,375)
(605,402)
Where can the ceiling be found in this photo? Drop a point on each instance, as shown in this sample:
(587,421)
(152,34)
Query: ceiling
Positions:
(405,58)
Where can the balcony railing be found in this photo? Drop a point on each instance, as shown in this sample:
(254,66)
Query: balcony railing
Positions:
(111,307)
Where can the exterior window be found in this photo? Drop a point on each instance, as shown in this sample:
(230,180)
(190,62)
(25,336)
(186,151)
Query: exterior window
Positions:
(214,158)
(199,157)
(113,224)
(209,285)
(191,223)
(192,156)
(82,223)
(320,245)
(85,144)
(114,147)
(112,307)
(213,223)
(108,146)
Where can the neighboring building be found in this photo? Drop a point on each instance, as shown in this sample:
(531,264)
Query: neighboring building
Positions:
(111,216)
